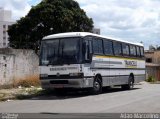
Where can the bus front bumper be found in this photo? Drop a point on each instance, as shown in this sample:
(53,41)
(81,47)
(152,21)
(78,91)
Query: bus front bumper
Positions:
(67,83)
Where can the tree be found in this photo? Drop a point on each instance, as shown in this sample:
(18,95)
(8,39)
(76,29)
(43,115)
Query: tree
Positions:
(48,17)
(158,48)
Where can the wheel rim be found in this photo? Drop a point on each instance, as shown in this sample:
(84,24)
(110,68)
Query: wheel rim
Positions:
(131,83)
(96,86)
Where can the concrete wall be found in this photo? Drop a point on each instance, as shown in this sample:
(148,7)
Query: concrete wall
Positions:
(153,67)
(156,57)
(17,64)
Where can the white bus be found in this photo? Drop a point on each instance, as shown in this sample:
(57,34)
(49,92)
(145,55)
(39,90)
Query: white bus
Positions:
(86,60)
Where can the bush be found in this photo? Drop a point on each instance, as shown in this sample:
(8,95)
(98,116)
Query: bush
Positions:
(27,82)
(150,79)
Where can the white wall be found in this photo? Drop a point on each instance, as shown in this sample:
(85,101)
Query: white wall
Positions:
(17,64)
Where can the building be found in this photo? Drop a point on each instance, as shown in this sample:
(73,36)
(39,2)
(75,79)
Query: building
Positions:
(5,22)
(96,31)
(153,63)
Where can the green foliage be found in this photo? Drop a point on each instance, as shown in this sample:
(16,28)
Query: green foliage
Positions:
(158,48)
(150,79)
(48,17)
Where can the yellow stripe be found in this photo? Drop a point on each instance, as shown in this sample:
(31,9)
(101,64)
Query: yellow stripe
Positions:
(124,58)
(131,66)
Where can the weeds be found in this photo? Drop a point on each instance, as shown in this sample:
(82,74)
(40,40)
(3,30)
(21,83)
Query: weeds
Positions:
(151,79)
(21,88)
(27,82)
(28,93)
(20,93)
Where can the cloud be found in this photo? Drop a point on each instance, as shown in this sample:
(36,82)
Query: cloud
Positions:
(133,20)
(19,8)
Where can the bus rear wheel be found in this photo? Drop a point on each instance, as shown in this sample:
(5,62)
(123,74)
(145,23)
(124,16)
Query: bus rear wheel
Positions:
(97,86)
(130,84)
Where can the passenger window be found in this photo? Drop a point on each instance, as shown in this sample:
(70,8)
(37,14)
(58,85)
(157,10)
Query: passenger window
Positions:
(117,48)
(138,51)
(142,51)
(98,46)
(132,50)
(108,47)
(125,49)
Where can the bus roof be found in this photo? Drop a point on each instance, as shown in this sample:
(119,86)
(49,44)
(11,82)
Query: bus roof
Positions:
(83,34)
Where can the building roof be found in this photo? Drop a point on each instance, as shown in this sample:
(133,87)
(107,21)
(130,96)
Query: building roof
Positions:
(83,34)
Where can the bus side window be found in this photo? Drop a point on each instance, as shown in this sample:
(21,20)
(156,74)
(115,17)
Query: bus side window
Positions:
(142,51)
(108,47)
(97,46)
(125,49)
(132,50)
(138,51)
(117,48)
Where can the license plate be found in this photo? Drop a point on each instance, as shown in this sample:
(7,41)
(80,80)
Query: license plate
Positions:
(58,86)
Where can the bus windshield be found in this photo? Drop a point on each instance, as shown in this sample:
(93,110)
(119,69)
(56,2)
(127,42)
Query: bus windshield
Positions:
(60,51)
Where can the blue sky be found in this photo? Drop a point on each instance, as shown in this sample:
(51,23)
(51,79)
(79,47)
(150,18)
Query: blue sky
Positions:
(33,2)
(132,20)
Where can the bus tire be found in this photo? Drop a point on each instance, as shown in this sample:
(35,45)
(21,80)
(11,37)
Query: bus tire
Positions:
(130,84)
(97,86)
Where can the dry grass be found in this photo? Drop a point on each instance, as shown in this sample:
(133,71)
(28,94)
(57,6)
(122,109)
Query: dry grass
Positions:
(27,82)
(6,86)
(21,88)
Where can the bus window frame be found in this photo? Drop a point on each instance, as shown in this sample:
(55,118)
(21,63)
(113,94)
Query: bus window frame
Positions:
(121,54)
(132,55)
(112,54)
(140,52)
(97,38)
(126,55)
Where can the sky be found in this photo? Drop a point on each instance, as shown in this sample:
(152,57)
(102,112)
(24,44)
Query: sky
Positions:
(131,20)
